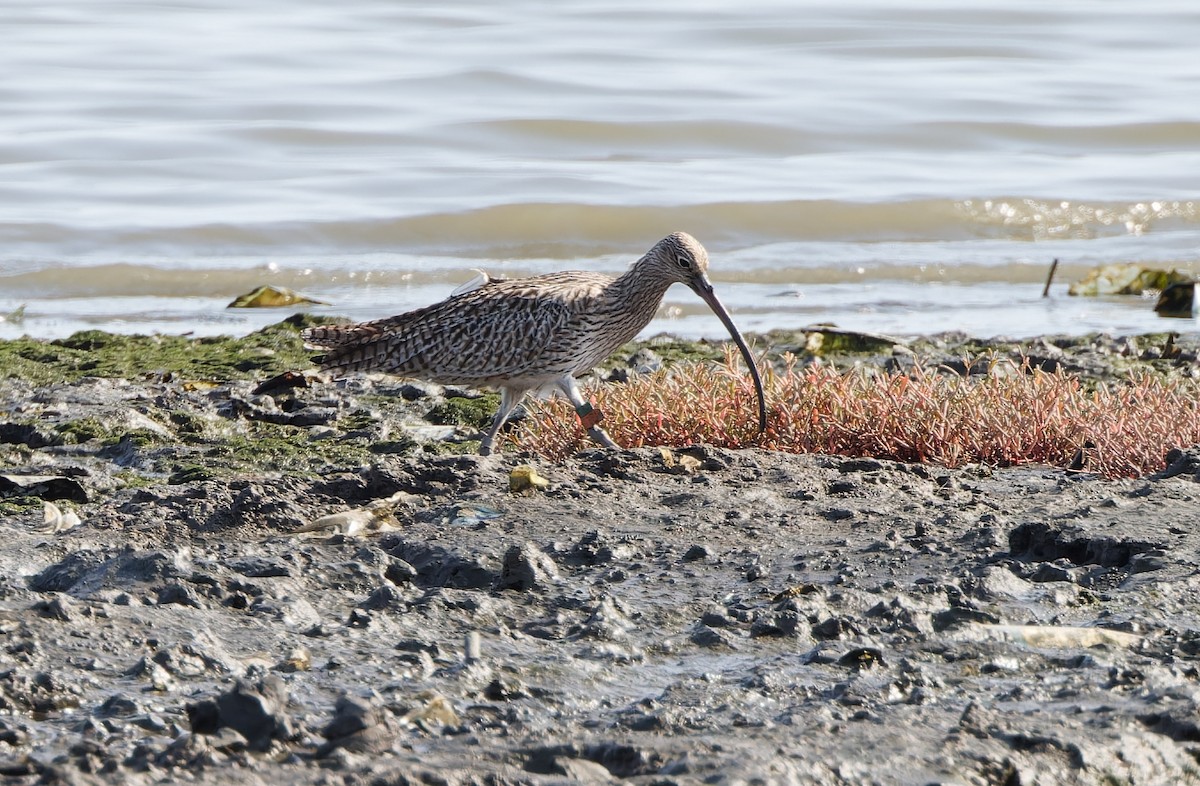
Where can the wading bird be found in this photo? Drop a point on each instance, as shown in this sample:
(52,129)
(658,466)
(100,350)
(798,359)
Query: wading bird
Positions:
(524,334)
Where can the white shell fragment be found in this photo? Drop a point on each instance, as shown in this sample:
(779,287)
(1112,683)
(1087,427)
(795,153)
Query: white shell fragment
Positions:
(437,711)
(55,520)
(377,516)
(1053,636)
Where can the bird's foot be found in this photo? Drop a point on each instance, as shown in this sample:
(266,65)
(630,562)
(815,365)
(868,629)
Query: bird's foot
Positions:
(601,436)
(590,417)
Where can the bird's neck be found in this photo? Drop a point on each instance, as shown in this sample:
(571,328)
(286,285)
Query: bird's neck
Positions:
(639,293)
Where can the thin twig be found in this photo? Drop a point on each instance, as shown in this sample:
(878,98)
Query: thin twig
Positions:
(1050,277)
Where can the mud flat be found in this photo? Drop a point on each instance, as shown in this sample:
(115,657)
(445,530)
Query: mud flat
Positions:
(319,585)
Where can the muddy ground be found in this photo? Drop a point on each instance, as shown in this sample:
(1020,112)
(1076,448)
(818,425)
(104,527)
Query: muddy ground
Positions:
(750,617)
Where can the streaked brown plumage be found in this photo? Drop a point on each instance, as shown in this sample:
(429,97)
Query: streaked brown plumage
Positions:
(523,334)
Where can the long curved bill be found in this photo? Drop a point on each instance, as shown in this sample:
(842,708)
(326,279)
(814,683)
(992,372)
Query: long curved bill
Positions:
(704,289)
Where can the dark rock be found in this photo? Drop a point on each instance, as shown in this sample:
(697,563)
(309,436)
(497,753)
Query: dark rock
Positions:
(439,567)
(755,571)
(704,636)
(764,628)
(227,740)
(1156,559)
(399,572)
(179,593)
(71,571)
(859,465)
(623,761)
(1045,543)
(303,418)
(60,608)
(14,734)
(506,689)
(117,706)
(257,713)
(33,435)
(357,726)
(1181,462)
(862,658)
(261,567)
(959,615)
(46,487)
(1178,726)
(843,487)
(83,572)
(526,567)
(282,383)
(1050,571)
(152,723)
(386,596)
(414,391)
(696,552)
(833,628)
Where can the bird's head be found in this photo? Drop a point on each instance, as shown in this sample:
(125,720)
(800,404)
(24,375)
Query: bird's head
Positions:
(679,258)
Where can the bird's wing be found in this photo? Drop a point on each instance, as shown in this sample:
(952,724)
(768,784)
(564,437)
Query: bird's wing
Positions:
(503,329)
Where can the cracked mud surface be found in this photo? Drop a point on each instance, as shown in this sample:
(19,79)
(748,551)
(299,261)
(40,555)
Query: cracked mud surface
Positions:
(766,618)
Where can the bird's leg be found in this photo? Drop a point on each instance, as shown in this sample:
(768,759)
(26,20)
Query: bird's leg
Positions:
(509,399)
(589,416)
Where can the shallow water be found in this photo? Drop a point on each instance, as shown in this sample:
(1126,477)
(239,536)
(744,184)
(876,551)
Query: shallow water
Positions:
(896,169)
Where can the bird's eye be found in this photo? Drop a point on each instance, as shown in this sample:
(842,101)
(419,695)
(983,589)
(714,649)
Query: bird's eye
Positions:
(683,262)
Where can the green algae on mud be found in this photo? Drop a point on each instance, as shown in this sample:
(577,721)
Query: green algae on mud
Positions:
(672,350)
(286,449)
(475,412)
(94,353)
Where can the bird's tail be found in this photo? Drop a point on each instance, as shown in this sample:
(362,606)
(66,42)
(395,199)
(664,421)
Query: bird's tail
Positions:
(336,336)
(347,347)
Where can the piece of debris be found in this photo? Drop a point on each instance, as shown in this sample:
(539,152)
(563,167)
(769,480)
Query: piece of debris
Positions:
(1053,636)
(14,317)
(1125,278)
(466,514)
(56,520)
(437,711)
(1177,300)
(45,486)
(1050,277)
(298,659)
(525,477)
(826,339)
(271,296)
(377,516)
(288,380)
(201,385)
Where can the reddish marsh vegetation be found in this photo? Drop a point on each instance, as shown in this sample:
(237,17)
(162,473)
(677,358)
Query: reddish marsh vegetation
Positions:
(1012,415)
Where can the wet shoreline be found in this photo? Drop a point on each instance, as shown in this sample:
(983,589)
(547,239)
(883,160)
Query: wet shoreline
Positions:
(743,615)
